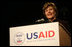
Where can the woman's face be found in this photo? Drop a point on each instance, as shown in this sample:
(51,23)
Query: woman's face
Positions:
(50,12)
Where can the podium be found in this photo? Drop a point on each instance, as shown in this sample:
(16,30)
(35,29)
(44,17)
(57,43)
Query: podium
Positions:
(46,34)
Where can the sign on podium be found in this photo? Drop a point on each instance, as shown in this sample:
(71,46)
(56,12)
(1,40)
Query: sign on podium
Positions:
(46,34)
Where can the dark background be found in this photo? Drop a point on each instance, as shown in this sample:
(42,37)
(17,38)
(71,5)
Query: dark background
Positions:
(26,12)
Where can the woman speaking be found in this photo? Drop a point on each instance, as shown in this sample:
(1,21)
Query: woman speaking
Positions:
(50,15)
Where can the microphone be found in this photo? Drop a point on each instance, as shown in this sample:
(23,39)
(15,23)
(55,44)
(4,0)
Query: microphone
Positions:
(40,20)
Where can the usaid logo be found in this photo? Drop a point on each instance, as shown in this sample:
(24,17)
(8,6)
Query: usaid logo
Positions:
(19,38)
(36,35)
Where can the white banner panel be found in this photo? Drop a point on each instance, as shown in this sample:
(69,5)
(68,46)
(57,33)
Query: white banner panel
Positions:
(46,34)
